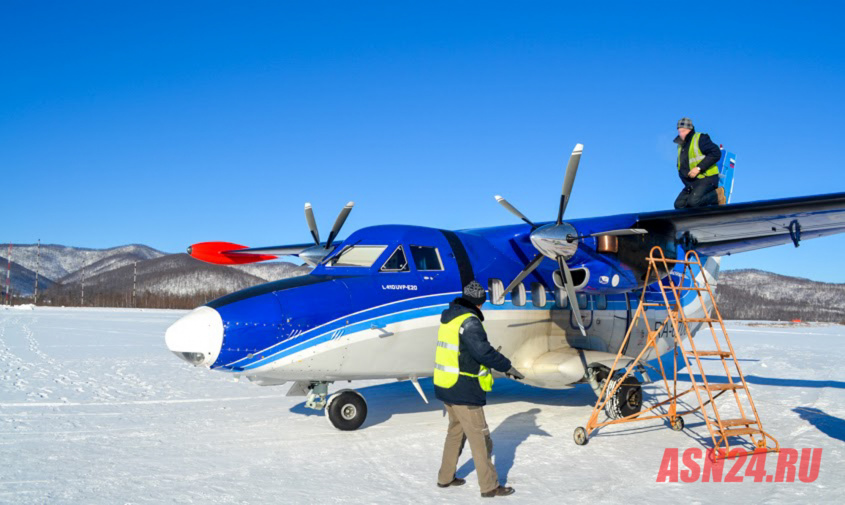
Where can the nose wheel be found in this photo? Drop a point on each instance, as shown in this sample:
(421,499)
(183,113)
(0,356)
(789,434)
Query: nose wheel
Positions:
(346,410)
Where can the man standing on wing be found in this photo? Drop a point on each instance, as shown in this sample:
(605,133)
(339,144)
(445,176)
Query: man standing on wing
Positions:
(462,378)
(697,167)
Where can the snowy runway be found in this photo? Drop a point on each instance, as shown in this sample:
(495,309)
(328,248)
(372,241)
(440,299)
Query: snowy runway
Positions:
(94,409)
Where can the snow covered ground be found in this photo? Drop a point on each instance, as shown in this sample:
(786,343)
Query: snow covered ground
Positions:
(94,409)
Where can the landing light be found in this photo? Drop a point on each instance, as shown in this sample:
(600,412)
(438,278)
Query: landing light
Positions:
(194,358)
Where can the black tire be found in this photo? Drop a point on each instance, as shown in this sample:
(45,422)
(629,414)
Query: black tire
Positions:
(347,410)
(580,436)
(678,424)
(627,400)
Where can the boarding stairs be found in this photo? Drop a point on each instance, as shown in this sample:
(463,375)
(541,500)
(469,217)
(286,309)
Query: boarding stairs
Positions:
(733,426)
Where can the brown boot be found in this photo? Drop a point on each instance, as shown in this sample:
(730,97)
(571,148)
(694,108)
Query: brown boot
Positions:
(720,194)
(455,482)
(499,491)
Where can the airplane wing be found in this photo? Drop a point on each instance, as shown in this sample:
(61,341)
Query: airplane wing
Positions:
(741,227)
(276,250)
(227,253)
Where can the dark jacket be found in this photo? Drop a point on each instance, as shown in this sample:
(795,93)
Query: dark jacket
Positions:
(474,350)
(711,153)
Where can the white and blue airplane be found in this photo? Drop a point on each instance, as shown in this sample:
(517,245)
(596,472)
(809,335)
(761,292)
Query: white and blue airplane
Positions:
(561,297)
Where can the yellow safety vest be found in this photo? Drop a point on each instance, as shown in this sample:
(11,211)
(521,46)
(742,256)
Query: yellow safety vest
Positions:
(446,366)
(695,157)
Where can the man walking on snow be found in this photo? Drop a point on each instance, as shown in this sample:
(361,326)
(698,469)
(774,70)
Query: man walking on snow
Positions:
(462,378)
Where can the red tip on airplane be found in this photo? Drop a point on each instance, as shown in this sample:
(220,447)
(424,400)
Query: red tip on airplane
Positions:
(225,253)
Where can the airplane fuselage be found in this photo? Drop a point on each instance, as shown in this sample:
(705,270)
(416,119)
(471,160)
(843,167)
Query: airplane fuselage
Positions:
(369,322)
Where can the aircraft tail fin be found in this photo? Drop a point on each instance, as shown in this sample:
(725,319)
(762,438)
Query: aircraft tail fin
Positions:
(726,166)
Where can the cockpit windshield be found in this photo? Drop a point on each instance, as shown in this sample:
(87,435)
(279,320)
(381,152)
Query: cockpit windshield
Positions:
(357,256)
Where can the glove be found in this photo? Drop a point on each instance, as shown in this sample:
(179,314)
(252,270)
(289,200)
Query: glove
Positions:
(513,373)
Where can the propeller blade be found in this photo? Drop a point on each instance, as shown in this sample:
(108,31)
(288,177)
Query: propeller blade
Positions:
(312,224)
(570,293)
(525,273)
(338,224)
(569,180)
(513,210)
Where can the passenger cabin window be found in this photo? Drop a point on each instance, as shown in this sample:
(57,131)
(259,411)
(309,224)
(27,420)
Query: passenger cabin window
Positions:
(426,258)
(518,295)
(538,294)
(496,290)
(561,300)
(582,301)
(601,302)
(357,256)
(396,262)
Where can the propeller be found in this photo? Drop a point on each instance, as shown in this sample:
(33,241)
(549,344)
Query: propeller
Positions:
(570,292)
(338,223)
(557,241)
(313,255)
(312,224)
(515,212)
(569,180)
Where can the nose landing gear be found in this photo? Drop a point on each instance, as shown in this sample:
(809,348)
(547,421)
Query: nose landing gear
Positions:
(346,410)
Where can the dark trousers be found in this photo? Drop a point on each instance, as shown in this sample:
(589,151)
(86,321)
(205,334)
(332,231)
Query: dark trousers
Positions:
(699,193)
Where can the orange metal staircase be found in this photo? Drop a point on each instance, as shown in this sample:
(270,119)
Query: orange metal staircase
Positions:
(725,431)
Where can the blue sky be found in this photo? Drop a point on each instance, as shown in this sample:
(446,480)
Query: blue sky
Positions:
(169,123)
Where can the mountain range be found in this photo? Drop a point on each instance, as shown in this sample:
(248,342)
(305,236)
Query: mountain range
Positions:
(105,277)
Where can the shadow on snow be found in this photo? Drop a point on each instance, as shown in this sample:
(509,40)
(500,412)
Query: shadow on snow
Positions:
(397,398)
(822,421)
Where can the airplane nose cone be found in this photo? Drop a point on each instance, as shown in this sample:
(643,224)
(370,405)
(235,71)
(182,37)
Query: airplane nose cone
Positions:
(197,337)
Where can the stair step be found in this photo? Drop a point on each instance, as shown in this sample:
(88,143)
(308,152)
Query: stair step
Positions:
(737,422)
(721,387)
(691,289)
(724,354)
(741,431)
(700,320)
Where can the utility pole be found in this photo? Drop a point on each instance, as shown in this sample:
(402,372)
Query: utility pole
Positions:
(37,266)
(83,287)
(134,278)
(9,275)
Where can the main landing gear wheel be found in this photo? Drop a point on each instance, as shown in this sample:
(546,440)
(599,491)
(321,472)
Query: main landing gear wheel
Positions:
(678,423)
(346,410)
(580,436)
(627,400)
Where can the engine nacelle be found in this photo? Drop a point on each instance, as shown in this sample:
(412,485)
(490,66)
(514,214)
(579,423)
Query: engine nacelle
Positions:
(598,277)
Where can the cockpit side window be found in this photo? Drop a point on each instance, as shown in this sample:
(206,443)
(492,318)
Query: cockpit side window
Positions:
(357,256)
(397,262)
(426,258)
